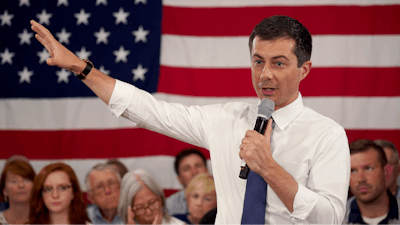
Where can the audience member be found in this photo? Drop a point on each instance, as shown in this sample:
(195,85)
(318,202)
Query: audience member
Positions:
(201,198)
(103,183)
(372,202)
(16,184)
(188,163)
(142,200)
(118,166)
(392,156)
(57,197)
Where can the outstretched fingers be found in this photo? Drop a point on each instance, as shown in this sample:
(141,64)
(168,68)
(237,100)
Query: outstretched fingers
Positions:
(45,44)
(43,36)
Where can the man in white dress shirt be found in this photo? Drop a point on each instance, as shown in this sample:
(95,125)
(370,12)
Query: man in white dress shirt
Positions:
(305,160)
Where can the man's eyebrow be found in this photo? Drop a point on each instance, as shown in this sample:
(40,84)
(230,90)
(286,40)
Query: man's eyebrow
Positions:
(275,57)
(280,56)
(257,55)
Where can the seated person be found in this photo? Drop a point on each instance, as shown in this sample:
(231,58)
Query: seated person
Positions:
(57,197)
(102,184)
(142,200)
(118,166)
(201,198)
(392,156)
(372,203)
(188,163)
(16,184)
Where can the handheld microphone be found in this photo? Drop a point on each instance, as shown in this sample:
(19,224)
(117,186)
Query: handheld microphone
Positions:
(264,113)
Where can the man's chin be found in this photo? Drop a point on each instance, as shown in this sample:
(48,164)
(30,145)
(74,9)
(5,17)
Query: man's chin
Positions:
(109,206)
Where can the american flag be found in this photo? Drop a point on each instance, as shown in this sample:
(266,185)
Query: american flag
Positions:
(185,51)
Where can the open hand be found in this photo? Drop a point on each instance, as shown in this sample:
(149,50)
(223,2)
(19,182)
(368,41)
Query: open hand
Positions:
(60,55)
(130,216)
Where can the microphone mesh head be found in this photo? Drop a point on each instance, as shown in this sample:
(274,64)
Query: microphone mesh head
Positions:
(266,108)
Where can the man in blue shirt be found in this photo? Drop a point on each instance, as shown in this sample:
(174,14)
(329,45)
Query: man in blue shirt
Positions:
(188,163)
(103,184)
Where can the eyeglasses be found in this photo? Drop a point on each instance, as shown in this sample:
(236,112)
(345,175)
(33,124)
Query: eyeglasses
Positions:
(101,187)
(152,205)
(19,181)
(60,189)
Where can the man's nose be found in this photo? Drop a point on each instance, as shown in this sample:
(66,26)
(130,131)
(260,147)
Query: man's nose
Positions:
(361,176)
(266,73)
(194,171)
(108,189)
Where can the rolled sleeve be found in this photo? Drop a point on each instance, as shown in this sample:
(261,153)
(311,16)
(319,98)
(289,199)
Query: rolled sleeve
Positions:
(121,97)
(323,199)
(304,202)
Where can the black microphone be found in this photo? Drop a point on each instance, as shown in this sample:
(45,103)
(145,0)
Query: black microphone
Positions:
(265,110)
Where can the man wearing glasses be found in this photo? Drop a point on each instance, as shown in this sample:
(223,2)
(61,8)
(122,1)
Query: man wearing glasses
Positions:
(103,186)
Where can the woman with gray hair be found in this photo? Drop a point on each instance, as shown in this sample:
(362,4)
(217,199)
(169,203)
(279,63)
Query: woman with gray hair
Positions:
(142,200)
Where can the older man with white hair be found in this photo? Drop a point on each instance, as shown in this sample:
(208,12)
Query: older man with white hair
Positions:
(103,183)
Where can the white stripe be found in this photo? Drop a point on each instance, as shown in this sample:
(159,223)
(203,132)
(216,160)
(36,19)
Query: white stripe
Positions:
(92,113)
(328,51)
(241,3)
(161,167)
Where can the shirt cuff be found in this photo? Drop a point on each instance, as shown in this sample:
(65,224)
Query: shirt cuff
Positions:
(303,204)
(121,97)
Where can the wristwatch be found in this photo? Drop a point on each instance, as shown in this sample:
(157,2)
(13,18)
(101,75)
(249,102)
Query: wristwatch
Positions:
(86,71)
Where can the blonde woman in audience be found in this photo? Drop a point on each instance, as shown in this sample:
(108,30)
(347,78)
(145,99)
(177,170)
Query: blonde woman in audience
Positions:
(15,189)
(201,198)
(57,197)
(142,200)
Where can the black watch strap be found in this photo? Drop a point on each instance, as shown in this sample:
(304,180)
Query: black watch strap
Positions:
(86,71)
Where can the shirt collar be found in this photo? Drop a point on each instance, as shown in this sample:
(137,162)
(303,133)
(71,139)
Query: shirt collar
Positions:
(285,115)
(97,212)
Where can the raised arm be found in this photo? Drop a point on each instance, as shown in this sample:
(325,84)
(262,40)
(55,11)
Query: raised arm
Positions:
(101,84)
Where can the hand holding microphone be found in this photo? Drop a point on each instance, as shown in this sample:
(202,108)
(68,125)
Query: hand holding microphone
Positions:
(265,110)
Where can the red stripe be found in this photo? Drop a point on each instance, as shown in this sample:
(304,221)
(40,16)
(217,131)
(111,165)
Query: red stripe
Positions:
(390,135)
(92,144)
(81,144)
(320,82)
(317,19)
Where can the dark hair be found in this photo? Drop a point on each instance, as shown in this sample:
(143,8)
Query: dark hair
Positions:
(186,152)
(121,167)
(18,167)
(364,145)
(39,214)
(275,27)
(386,144)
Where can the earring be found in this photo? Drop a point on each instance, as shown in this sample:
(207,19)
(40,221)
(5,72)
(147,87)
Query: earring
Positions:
(6,198)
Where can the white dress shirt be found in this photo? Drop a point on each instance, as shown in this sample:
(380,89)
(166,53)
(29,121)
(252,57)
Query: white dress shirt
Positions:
(312,148)
(3,219)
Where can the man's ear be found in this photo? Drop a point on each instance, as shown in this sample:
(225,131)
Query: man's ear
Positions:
(388,170)
(305,69)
